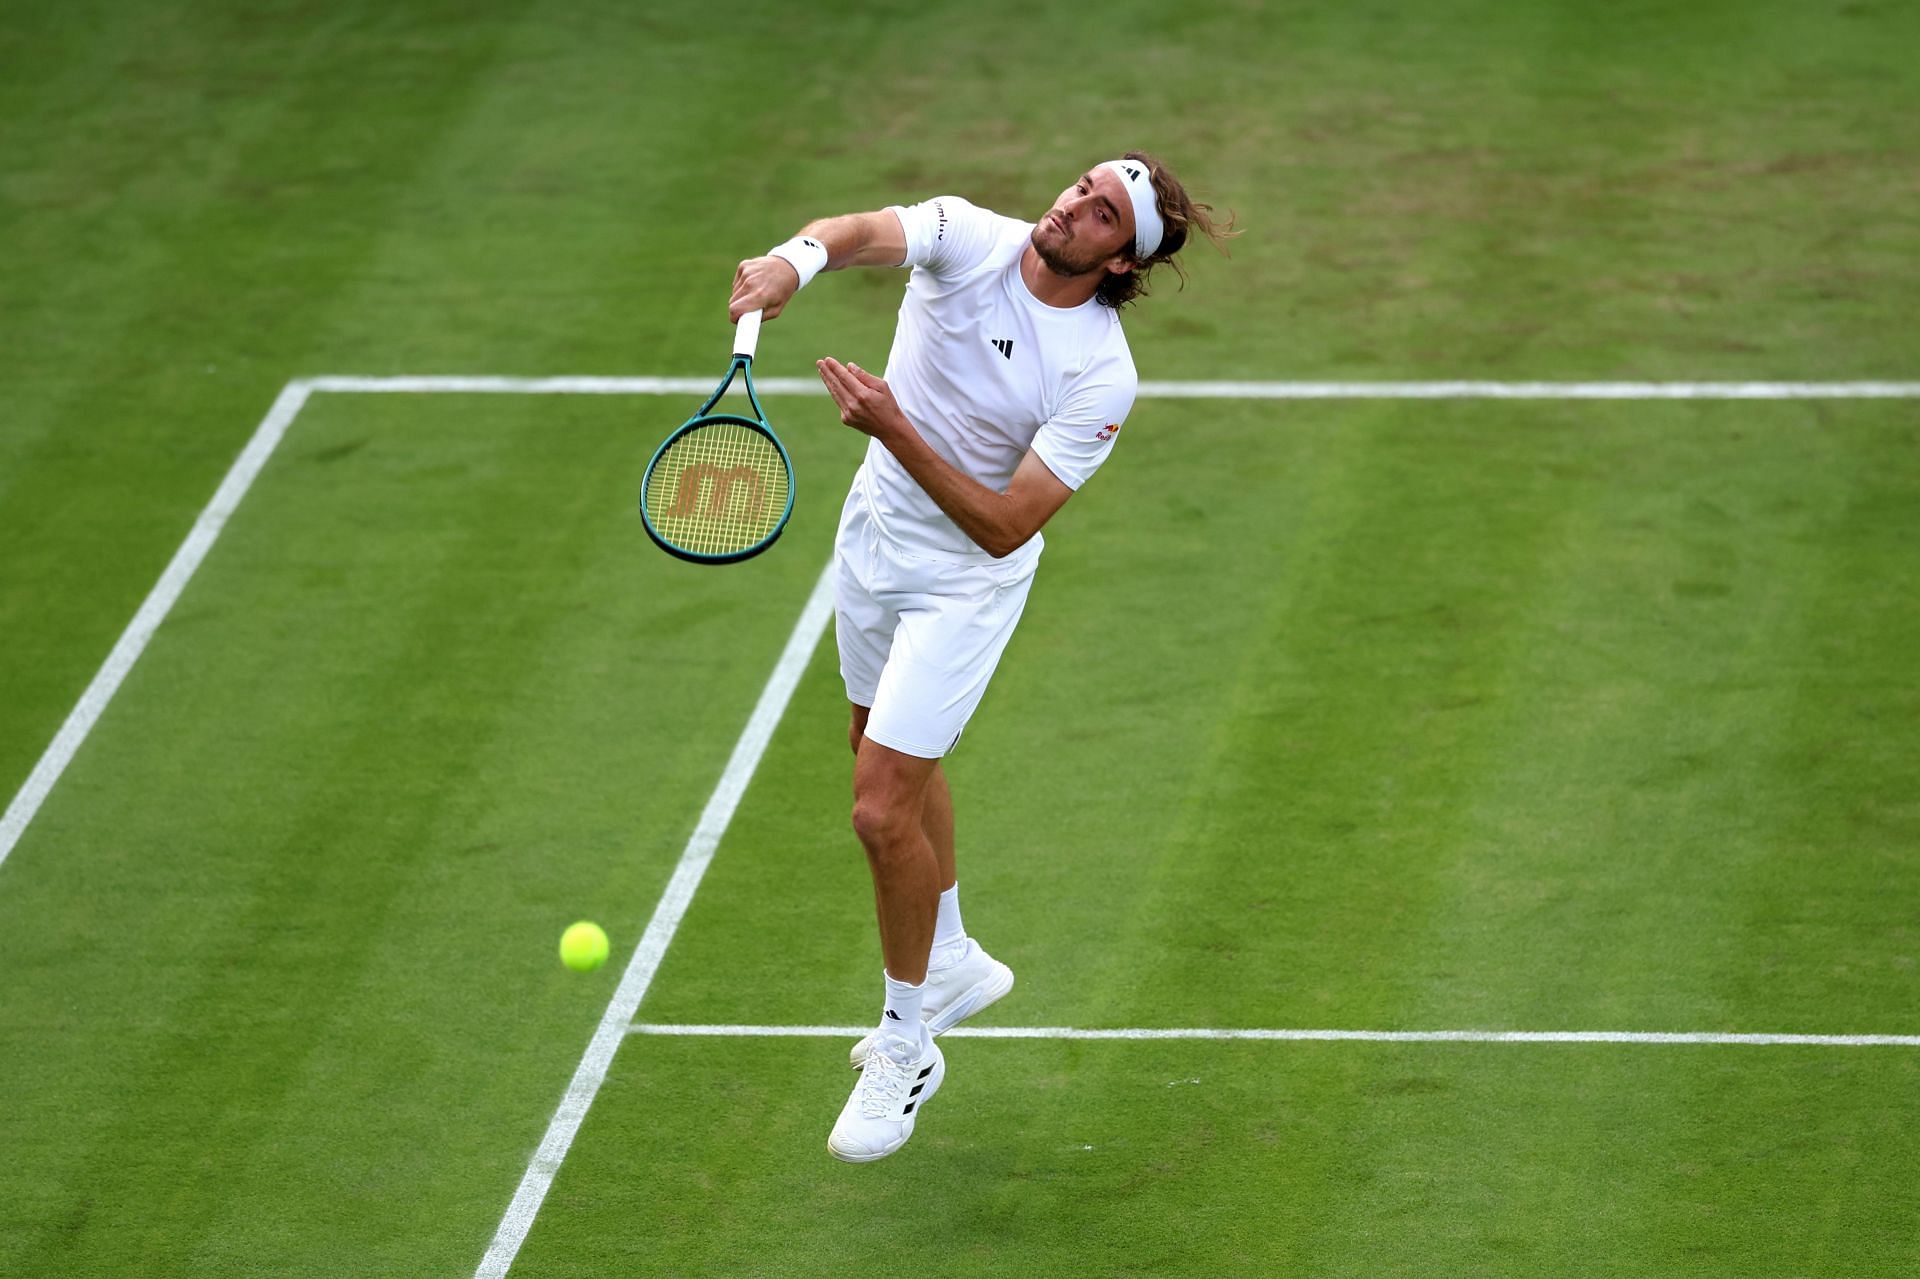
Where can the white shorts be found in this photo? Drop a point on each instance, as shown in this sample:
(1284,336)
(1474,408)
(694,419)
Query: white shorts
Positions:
(919,638)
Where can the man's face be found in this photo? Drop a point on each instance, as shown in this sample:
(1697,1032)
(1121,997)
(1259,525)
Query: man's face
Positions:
(1089,228)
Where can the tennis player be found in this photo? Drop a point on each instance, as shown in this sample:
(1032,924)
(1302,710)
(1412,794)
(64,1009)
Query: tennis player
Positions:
(1007,385)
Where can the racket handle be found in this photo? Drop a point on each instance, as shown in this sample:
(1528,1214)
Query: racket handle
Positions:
(746,335)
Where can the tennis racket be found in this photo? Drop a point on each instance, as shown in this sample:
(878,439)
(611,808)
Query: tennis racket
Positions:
(721,488)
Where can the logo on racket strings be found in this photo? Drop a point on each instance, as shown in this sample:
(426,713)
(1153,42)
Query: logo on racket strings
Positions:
(686,498)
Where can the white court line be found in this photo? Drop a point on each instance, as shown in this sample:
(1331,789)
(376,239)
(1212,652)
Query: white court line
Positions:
(1175,390)
(592,1070)
(133,641)
(1530,390)
(1362,1036)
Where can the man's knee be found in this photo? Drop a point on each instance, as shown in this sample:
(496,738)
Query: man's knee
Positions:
(883,822)
(889,792)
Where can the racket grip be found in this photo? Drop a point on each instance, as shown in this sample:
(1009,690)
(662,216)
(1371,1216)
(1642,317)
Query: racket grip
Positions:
(746,334)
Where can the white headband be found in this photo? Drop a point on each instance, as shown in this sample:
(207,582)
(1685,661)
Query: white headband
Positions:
(1147,226)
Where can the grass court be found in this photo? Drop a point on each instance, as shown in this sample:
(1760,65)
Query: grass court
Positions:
(1364,714)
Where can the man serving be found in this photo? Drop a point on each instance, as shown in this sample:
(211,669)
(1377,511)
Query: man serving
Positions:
(1007,385)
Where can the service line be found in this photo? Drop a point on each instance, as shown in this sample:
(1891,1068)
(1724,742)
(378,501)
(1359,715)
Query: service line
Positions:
(1362,1036)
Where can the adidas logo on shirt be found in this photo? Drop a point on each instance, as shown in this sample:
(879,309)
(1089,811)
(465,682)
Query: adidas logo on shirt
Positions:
(1003,345)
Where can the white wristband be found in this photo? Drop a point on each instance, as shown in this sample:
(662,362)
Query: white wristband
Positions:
(806,255)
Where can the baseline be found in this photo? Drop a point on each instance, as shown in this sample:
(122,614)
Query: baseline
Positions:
(1184,390)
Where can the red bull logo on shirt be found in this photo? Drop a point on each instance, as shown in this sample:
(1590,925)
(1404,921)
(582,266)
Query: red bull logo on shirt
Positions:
(1107,432)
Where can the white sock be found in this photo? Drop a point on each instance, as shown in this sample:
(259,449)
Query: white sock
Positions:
(900,1015)
(949,935)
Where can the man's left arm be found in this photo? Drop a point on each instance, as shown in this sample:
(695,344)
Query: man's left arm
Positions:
(998,523)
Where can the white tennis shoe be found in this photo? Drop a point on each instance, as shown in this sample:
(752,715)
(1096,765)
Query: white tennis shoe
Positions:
(954,993)
(879,1115)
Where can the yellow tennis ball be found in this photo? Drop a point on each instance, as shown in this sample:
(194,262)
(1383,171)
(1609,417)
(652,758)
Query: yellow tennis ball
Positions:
(583,947)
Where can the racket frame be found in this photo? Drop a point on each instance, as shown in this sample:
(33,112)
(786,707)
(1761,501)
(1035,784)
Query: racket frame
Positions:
(746,338)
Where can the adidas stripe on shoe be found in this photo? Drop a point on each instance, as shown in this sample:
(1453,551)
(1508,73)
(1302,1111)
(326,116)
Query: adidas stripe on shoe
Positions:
(885,1103)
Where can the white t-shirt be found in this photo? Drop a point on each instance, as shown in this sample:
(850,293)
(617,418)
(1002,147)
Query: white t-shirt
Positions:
(986,372)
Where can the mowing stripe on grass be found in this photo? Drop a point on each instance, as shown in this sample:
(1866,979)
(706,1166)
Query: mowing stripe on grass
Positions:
(592,1071)
(1176,390)
(1363,1036)
(160,600)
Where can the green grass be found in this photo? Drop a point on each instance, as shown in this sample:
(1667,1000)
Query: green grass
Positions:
(1315,1159)
(1528,715)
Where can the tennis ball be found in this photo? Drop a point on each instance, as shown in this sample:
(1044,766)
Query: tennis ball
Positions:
(583,947)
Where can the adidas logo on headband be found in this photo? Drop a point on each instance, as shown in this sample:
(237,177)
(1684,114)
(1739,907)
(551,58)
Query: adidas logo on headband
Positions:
(1148,229)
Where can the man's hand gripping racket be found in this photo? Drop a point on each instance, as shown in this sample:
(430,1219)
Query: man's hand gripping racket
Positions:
(720,489)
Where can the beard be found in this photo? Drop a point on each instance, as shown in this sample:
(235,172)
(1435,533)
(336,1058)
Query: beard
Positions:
(1062,257)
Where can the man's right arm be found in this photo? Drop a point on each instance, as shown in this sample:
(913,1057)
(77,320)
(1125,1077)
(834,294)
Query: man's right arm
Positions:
(853,239)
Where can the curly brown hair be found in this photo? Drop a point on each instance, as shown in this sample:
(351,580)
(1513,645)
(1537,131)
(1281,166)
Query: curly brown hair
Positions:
(1182,215)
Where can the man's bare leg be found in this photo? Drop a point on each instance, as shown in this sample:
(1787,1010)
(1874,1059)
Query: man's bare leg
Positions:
(889,796)
(936,819)
(956,992)
(937,814)
(901,1068)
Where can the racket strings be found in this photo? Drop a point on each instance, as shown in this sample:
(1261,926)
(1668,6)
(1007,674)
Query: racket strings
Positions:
(719,489)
